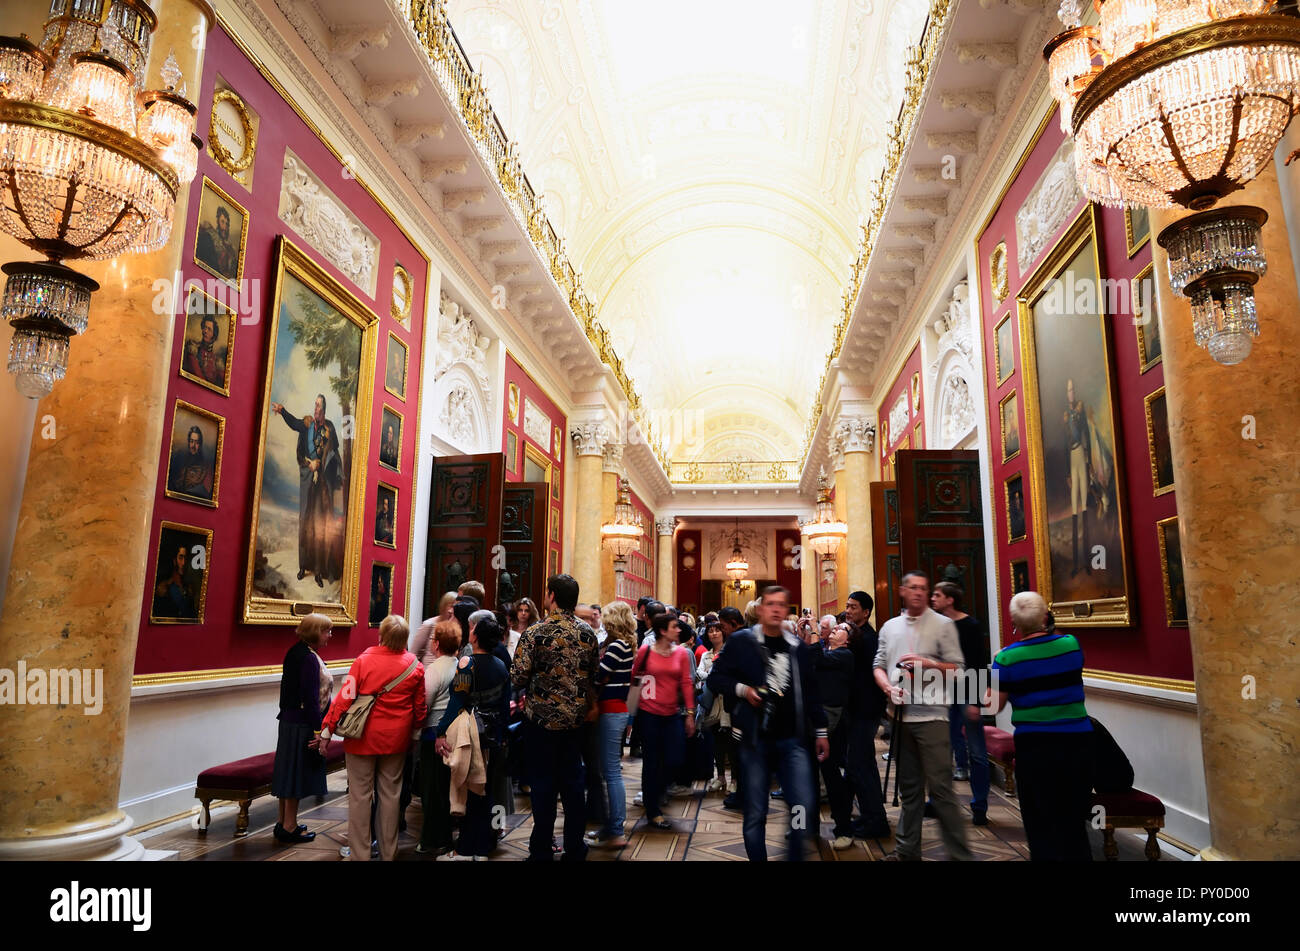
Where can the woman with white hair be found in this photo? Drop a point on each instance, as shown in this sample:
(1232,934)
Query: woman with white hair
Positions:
(1041,674)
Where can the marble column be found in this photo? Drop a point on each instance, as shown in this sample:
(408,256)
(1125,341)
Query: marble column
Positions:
(808,575)
(841,557)
(665,570)
(589,440)
(1237,478)
(611,471)
(857,437)
(82,547)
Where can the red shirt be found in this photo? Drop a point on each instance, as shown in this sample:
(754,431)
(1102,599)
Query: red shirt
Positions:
(395,714)
(672,681)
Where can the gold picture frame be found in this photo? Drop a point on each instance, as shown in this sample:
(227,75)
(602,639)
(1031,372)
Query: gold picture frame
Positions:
(512,452)
(1004,348)
(1175,588)
(383,491)
(1158,445)
(379,569)
(1149,336)
(1012,398)
(1093,590)
(1137,229)
(1009,493)
(191,367)
(386,420)
(178,473)
(403,295)
(296,271)
(220,153)
(208,240)
(1019,580)
(916,435)
(389,382)
(164,588)
(512,402)
(998,279)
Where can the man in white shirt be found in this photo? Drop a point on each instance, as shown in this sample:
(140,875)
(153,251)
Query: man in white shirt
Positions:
(918,650)
(591,614)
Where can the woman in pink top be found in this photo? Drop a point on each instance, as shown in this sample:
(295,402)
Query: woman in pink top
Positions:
(666,694)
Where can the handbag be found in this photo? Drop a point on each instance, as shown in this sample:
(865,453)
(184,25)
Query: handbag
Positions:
(634,691)
(353,721)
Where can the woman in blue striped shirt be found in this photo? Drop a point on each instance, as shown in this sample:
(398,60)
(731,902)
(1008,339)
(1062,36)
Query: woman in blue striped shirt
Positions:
(1041,674)
(614,677)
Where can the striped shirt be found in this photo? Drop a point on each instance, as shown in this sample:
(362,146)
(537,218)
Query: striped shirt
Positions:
(615,676)
(1044,677)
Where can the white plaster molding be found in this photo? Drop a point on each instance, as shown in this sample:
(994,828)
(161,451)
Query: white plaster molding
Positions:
(1054,196)
(309,207)
(612,459)
(591,438)
(666,525)
(855,433)
(459,341)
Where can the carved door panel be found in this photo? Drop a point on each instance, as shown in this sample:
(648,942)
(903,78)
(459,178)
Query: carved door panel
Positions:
(464,524)
(942,521)
(885,533)
(523,533)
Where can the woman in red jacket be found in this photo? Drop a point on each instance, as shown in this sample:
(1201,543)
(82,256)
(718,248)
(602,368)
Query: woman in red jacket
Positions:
(374,760)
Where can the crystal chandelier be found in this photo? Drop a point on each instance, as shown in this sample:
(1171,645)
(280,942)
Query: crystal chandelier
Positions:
(1215,259)
(624,534)
(1174,102)
(825,532)
(90,165)
(737,567)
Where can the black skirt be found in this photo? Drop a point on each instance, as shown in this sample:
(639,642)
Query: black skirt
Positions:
(299,772)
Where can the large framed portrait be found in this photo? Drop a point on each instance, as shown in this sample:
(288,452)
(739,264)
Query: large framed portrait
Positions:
(180,580)
(194,454)
(385,516)
(1171,572)
(1079,508)
(308,492)
(1137,229)
(1162,453)
(209,341)
(395,367)
(381,593)
(1146,319)
(1004,353)
(1009,411)
(1015,498)
(221,235)
(390,439)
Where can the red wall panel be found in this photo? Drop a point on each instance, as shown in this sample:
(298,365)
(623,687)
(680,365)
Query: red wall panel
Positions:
(914,431)
(688,589)
(557,452)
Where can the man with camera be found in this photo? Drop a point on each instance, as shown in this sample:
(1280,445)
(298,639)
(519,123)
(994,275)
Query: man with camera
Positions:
(916,650)
(773,674)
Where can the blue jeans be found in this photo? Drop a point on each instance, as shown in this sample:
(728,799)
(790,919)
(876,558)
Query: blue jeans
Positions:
(978,756)
(789,759)
(663,746)
(612,727)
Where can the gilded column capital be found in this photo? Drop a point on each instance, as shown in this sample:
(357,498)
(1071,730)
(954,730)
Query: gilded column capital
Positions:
(666,525)
(855,434)
(590,439)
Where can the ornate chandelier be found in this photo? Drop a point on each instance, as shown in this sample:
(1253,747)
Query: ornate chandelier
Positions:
(825,532)
(1174,102)
(90,165)
(624,534)
(737,567)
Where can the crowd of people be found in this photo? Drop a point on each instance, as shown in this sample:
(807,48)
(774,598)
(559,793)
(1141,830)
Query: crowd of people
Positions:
(476,706)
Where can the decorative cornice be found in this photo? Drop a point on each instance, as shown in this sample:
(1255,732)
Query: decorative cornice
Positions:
(590,439)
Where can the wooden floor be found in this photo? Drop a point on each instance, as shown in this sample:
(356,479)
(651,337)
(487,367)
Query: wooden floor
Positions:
(702,831)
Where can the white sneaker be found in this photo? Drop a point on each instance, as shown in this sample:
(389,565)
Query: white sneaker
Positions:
(456,857)
(345,852)
(638,799)
(840,843)
(733,788)
(716,785)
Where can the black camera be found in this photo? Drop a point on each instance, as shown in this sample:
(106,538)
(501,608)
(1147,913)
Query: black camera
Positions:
(767,710)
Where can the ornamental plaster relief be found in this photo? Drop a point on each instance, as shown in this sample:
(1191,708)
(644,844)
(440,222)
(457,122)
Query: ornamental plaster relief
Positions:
(311,209)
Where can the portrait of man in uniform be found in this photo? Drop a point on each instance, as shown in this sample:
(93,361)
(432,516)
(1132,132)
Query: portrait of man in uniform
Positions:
(320,477)
(219,241)
(195,448)
(209,331)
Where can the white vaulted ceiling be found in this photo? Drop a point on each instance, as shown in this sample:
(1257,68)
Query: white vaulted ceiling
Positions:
(707,162)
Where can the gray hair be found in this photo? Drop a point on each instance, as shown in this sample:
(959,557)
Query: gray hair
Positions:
(478,616)
(1028,612)
(827,619)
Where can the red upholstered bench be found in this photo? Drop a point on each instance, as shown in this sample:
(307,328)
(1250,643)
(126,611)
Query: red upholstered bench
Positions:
(1001,747)
(245,780)
(1132,809)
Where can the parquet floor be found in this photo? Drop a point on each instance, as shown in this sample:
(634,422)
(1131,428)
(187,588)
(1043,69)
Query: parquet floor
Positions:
(702,831)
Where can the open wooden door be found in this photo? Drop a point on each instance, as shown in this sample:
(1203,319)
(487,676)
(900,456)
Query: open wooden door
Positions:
(523,533)
(885,531)
(464,524)
(941,521)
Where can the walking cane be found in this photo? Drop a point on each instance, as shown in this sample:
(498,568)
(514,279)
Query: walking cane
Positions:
(893,749)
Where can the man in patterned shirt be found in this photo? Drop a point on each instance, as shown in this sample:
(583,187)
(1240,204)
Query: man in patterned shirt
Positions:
(555,665)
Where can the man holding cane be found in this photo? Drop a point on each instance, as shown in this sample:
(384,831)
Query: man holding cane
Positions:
(917,641)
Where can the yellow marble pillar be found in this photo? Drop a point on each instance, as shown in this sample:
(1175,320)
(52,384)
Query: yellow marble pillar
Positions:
(1237,478)
(857,507)
(77,576)
(611,469)
(665,573)
(808,580)
(590,440)
(841,559)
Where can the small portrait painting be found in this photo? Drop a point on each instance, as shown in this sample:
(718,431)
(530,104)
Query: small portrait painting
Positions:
(1137,228)
(390,440)
(1004,340)
(1171,564)
(381,592)
(385,516)
(180,580)
(512,452)
(559,446)
(1009,409)
(222,232)
(1162,453)
(194,454)
(512,402)
(1146,319)
(1019,576)
(208,343)
(555,526)
(1016,509)
(552,562)
(395,368)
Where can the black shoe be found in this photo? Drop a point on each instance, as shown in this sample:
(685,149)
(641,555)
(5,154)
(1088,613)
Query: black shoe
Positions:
(295,837)
(980,818)
(930,812)
(871,830)
(732,802)
(301,573)
(319,583)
